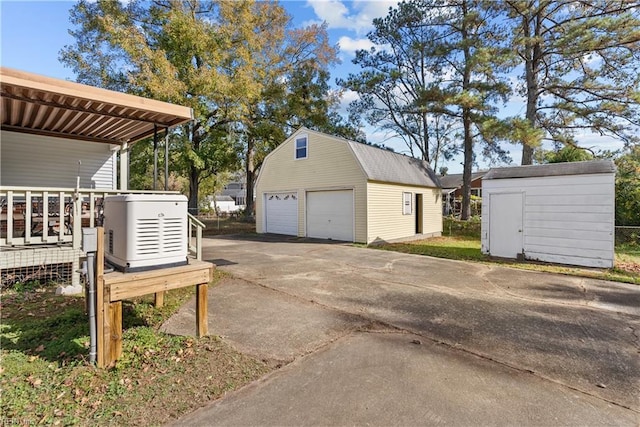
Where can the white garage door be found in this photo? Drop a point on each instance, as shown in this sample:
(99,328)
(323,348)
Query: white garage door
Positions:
(330,215)
(281,211)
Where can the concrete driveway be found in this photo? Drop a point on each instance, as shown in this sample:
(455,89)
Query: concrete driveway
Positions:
(374,337)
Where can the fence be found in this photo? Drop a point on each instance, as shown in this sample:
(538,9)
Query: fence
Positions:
(455,227)
(627,235)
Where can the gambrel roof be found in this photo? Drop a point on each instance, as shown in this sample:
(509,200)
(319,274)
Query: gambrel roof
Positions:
(386,166)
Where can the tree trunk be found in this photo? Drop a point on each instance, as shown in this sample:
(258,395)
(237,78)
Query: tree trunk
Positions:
(465,214)
(532,61)
(466,124)
(250,173)
(194,175)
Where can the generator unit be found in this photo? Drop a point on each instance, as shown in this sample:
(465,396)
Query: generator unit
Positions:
(145,231)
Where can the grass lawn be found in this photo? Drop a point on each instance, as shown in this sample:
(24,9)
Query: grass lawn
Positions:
(227,225)
(627,267)
(45,376)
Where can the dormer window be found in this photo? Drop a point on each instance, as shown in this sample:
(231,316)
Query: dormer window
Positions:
(301,147)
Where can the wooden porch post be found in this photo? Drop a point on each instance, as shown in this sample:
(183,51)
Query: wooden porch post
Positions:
(124,166)
(166,159)
(155,157)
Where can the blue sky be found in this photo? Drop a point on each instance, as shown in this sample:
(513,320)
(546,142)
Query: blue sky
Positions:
(33,32)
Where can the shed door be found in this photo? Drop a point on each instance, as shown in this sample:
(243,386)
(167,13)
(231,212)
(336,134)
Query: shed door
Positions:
(330,215)
(281,210)
(505,225)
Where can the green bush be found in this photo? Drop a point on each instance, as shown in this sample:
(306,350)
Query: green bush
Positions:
(454,227)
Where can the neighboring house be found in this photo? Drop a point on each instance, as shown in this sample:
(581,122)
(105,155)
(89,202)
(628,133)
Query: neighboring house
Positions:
(562,213)
(225,204)
(317,185)
(237,191)
(452,191)
(62,144)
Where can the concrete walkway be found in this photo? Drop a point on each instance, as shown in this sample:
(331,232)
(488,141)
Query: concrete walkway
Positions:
(383,338)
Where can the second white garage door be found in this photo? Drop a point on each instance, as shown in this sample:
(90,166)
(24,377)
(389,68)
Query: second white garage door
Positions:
(330,215)
(281,213)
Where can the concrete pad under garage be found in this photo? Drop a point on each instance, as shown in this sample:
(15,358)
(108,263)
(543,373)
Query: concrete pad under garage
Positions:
(399,379)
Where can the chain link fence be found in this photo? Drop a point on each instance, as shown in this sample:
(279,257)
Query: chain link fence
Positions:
(627,235)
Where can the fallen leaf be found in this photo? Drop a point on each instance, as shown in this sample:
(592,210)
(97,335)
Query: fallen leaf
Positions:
(40,348)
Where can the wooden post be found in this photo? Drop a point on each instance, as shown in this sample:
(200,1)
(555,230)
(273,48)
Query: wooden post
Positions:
(159,300)
(202,327)
(115,311)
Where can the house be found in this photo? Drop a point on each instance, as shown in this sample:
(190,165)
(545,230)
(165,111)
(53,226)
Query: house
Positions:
(224,204)
(561,213)
(62,146)
(452,191)
(318,185)
(238,193)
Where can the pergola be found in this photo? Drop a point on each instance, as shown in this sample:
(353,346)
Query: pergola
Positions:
(41,105)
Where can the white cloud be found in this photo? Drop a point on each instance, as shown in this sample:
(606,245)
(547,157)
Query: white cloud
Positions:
(349,45)
(355,16)
(334,12)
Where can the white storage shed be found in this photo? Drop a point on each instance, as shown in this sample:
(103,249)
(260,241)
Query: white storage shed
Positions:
(562,213)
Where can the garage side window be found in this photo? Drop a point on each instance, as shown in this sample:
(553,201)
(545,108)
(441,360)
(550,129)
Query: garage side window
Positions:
(301,147)
(406,203)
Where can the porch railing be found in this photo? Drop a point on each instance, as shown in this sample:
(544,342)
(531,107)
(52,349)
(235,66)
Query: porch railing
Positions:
(31,216)
(195,225)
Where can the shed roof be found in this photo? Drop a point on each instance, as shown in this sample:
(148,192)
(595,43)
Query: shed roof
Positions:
(454,180)
(386,166)
(42,105)
(553,169)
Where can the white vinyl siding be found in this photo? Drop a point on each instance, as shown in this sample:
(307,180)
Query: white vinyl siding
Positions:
(385,212)
(41,161)
(566,219)
(330,165)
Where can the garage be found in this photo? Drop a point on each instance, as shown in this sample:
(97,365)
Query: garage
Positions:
(346,191)
(281,213)
(562,213)
(330,215)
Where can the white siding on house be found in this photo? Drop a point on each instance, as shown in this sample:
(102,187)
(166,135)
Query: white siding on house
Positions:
(385,211)
(567,219)
(330,165)
(41,161)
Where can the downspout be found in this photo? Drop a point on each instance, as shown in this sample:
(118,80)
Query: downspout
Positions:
(93,335)
(90,246)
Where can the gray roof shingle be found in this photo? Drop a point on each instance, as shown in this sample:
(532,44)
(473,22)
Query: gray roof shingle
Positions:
(553,169)
(454,180)
(386,166)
